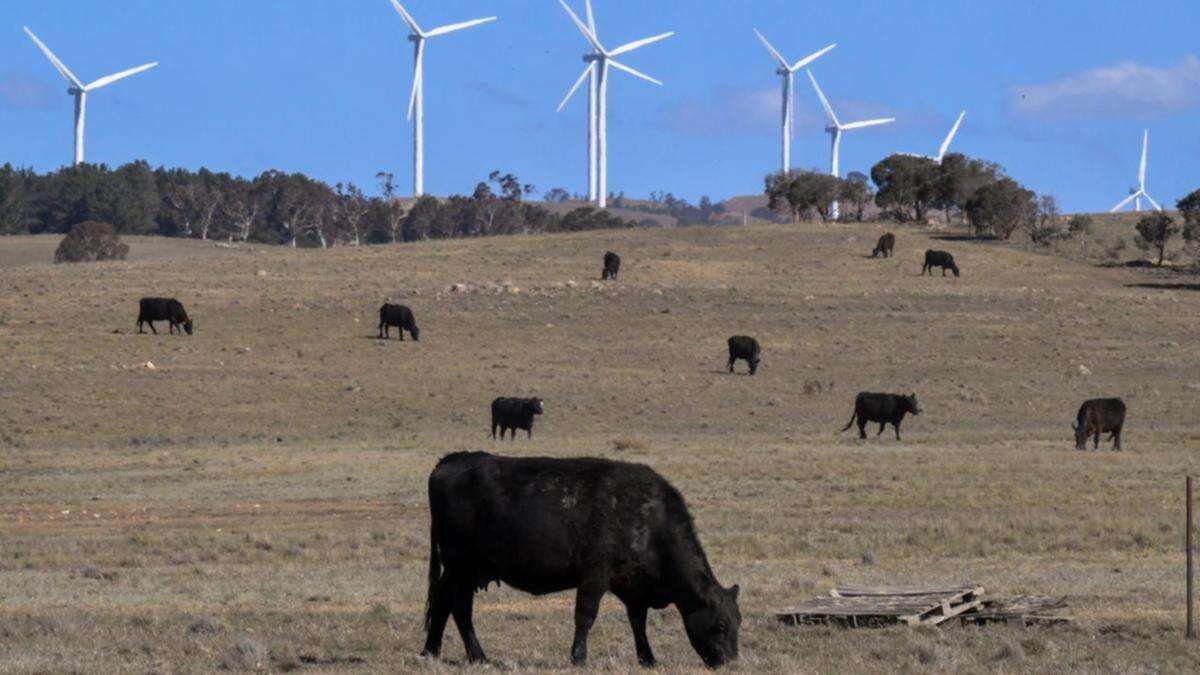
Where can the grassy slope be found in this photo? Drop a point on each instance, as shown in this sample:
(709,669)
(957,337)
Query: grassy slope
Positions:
(259,496)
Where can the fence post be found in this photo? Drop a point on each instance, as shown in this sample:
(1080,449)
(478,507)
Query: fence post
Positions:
(1191,588)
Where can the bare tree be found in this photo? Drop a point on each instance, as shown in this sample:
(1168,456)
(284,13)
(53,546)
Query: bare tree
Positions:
(393,209)
(352,207)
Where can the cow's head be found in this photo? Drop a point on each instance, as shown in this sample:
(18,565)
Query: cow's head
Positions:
(954,268)
(1081,434)
(537,406)
(416,333)
(712,627)
(187,326)
(914,406)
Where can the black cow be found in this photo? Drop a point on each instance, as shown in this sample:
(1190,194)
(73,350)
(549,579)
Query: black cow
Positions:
(545,525)
(510,414)
(939,259)
(1097,416)
(883,408)
(887,242)
(746,348)
(399,316)
(163,309)
(612,265)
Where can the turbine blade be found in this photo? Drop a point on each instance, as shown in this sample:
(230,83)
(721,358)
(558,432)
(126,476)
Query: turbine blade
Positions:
(810,58)
(442,30)
(621,66)
(418,76)
(58,65)
(630,46)
(109,79)
(1142,167)
(774,52)
(1122,203)
(824,101)
(587,33)
(412,23)
(867,123)
(578,83)
(1147,196)
(591,17)
(950,137)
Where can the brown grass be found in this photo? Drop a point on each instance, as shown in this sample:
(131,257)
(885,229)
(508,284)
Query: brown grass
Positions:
(258,498)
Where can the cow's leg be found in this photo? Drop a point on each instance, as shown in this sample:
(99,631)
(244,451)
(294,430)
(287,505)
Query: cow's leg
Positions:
(1116,435)
(862,428)
(140,328)
(1096,440)
(440,601)
(882,426)
(637,621)
(171,327)
(382,331)
(528,430)
(152,330)
(731,360)
(494,425)
(462,607)
(587,604)
(923,268)
(896,426)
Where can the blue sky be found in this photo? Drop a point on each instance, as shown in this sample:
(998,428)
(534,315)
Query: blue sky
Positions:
(1056,91)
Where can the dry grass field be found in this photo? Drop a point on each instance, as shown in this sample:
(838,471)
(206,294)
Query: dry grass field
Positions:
(257,499)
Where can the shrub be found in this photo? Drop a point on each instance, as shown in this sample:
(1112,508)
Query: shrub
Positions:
(1154,232)
(90,241)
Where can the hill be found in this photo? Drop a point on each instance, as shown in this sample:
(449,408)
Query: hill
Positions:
(258,496)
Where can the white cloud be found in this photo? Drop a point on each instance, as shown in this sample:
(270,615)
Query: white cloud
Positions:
(1126,88)
(18,91)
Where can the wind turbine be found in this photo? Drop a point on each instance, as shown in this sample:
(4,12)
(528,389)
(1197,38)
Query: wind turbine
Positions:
(1136,195)
(590,73)
(416,102)
(945,144)
(599,60)
(835,132)
(786,71)
(80,90)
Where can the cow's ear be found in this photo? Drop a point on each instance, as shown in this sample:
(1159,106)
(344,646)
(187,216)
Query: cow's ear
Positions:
(1075,426)
(733,592)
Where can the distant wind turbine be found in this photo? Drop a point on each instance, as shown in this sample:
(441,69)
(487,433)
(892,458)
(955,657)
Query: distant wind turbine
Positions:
(599,60)
(80,90)
(835,132)
(416,102)
(945,144)
(786,71)
(1136,195)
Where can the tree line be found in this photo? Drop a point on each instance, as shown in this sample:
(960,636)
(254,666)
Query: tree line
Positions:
(274,207)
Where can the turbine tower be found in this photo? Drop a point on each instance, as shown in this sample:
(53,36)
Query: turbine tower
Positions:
(590,73)
(1136,195)
(786,71)
(80,90)
(599,60)
(416,102)
(835,130)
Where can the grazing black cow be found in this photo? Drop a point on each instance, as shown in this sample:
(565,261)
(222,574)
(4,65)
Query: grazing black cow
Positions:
(163,309)
(545,525)
(887,242)
(746,348)
(510,414)
(612,265)
(883,408)
(401,317)
(1096,416)
(939,259)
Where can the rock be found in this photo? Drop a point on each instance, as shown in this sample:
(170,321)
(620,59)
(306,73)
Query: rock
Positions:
(1084,370)
(571,283)
(149,365)
(514,290)
(261,273)
(458,288)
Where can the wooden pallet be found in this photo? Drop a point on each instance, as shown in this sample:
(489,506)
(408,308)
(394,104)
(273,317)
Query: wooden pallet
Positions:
(1022,610)
(883,606)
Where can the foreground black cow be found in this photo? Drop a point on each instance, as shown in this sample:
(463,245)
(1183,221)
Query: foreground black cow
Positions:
(163,309)
(746,348)
(545,525)
(939,259)
(402,318)
(887,242)
(612,265)
(510,414)
(1097,416)
(883,408)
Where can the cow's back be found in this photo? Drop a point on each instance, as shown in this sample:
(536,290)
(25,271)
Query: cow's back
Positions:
(1108,411)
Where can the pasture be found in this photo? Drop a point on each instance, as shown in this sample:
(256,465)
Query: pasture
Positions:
(257,499)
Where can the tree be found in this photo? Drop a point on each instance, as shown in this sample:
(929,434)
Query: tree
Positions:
(393,210)
(1044,228)
(556,195)
(799,192)
(1189,207)
(958,178)
(1000,208)
(857,192)
(242,205)
(90,241)
(906,184)
(1155,232)
(351,207)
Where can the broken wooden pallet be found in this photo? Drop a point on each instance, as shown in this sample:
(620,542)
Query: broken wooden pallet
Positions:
(1022,610)
(882,606)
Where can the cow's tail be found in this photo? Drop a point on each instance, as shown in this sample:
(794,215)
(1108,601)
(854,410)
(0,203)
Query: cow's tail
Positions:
(851,422)
(435,573)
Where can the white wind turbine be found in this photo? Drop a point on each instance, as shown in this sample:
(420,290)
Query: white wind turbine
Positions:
(1136,195)
(945,144)
(835,132)
(599,60)
(80,90)
(786,71)
(416,102)
(590,73)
